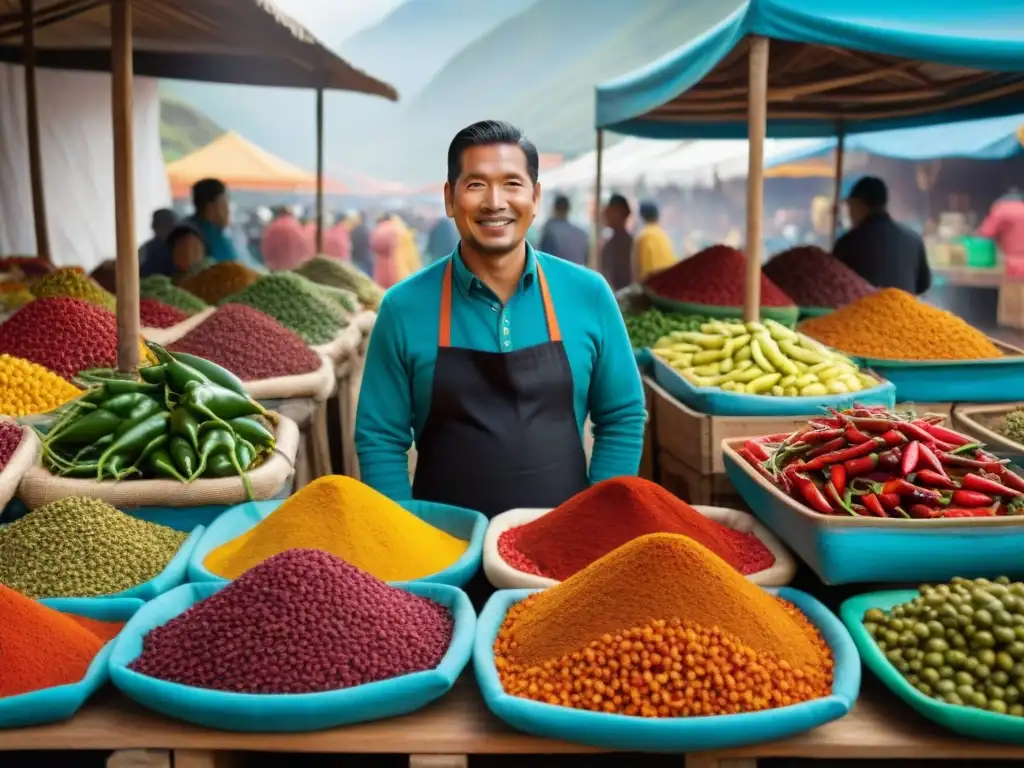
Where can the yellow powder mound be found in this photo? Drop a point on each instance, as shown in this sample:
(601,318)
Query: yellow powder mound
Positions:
(350,520)
(662,576)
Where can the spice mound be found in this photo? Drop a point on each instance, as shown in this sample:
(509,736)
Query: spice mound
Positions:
(227,338)
(338,274)
(714,276)
(82,547)
(14,296)
(661,627)
(161,288)
(218,281)
(1012,425)
(297,304)
(43,648)
(613,513)
(301,622)
(27,388)
(813,277)
(67,336)
(153,313)
(960,643)
(890,324)
(73,284)
(10,439)
(350,520)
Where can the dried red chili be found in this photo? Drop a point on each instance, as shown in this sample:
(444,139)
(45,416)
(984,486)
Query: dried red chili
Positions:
(715,276)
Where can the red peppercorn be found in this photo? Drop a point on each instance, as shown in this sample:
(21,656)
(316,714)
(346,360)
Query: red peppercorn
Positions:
(715,276)
(153,313)
(813,278)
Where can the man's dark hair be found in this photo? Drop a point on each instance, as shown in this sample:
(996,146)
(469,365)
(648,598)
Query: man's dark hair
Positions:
(490,132)
(871,191)
(619,201)
(561,205)
(206,191)
(649,211)
(164,218)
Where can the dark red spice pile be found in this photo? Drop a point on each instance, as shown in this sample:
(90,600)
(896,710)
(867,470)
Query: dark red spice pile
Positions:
(714,276)
(10,439)
(155,314)
(814,278)
(303,621)
(65,335)
(607,515)
(248,343)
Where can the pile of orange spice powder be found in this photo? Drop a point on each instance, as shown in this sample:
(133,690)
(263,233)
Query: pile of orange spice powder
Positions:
(661,627)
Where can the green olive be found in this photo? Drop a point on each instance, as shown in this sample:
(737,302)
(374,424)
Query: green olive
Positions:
(944,686)
(1017,710)
(935,660)
(986,656)
(963,678)
(1004,661)
(924,688)
(936,629)
(936,645)
(982,618)
(930,675)
(1016,649)
(983,639)
(965,692)
(891,637)
(999,678)
(952,698)
(998,707)
(982,672)
(1003,635)
(946,671)
(921,630)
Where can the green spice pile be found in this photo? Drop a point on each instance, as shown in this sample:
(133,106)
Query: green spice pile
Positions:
(82,547)
(961,642)
(297,304)
(1012,427)
(341,297)
(161,288)
(647,327)
(328,271)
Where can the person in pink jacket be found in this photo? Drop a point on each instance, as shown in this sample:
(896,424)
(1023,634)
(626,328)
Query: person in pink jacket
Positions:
(337,241)
(285,244)
(1005,225)
(384,242)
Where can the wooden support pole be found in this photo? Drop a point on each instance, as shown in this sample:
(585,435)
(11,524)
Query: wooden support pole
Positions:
(595,246)
(35,156)
(319,170)
(837,188)
(757,127)
(127,275)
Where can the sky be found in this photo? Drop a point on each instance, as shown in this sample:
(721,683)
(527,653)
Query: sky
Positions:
(360,14)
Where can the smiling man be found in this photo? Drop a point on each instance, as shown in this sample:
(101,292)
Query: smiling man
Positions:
(492,358)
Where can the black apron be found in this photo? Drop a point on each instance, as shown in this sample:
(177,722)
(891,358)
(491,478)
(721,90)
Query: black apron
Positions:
(501,432)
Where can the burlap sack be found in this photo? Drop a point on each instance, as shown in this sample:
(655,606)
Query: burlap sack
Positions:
(503,576)
(365,320)
(39,487)
(344,345)
(21,461)
(317,385)
(165,336)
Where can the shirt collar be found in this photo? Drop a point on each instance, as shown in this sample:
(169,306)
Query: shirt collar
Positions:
(467,282)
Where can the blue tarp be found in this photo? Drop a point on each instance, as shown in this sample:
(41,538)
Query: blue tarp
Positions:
(993,139)
(980,34)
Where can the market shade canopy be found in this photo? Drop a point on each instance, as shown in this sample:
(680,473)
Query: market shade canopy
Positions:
(249,42)
(240,164)
(872,64)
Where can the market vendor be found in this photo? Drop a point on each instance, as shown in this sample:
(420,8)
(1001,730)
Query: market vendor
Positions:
(203,236)
(491,359)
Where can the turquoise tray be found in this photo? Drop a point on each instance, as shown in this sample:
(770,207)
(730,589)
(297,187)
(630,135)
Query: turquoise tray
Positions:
(462,523)
(809,312)
(644,358)
(846,550)
(785,315)
(287,713)
(715,402)
(684,734)
(61,702)
(967,721)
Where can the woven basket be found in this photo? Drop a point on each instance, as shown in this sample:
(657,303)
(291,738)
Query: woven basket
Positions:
(21,461)
(317,385)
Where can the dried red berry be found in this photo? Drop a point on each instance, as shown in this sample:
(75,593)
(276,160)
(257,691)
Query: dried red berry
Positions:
(10,439)
(156,314)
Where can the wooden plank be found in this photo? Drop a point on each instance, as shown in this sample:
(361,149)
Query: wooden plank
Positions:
(140,758)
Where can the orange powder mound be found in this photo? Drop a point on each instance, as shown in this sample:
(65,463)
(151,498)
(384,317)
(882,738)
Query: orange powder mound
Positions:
(104,630)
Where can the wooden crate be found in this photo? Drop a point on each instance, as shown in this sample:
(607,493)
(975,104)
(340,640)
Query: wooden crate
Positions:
(696,488)
(943,409)
(648,459)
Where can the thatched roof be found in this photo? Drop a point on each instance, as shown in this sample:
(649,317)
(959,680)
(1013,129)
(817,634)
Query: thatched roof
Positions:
(248,42)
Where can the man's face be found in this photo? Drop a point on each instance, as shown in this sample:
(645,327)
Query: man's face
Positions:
(615,216)
(493,202)
(219,212)
(857,210)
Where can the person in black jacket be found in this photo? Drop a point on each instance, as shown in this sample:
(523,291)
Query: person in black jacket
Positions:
(879,249)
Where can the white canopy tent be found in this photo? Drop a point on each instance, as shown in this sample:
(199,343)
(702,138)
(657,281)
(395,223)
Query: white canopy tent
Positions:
(699,163)
(623,164)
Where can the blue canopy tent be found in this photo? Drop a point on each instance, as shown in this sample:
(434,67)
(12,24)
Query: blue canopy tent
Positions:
(795,69)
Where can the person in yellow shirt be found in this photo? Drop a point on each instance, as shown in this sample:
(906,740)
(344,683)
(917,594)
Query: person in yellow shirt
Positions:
(409,260)
(652,247)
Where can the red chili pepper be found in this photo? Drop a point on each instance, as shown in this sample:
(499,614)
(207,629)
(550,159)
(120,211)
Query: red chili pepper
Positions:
(910,458)
(973,482)
(953,460)
(855,436)
(973,512)
(894,438)
(928,459)
(931,477)
(1008,476)
(812,494)
(858,510)
(756,464)
(932,418)
(924,512)
(873,505)
(821,436)
(860,466)
(845,454)
(831,445)
(837,476)
(912,431)
(911,491)
(872,423)
(757,450)
(836,500)
(826,423)
(963,498)
(778,437)
(889,459)
(889,500)
(943,434)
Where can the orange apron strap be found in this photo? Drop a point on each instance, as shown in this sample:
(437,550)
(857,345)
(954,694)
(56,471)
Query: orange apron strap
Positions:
(554,332)
(444,335)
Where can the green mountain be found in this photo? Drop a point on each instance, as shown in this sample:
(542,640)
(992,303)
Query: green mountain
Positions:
(184,129)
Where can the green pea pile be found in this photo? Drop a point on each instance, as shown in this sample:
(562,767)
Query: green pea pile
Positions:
(962,642)
(297,304)
(337,274)
(647,327)
(82,547)
(161,288)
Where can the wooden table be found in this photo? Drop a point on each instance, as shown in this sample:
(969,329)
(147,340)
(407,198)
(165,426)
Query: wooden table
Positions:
(443,734)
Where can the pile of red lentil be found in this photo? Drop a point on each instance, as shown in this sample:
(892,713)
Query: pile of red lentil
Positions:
(613,513)
(155,314)
(815,278)
(248,343)
(716,277)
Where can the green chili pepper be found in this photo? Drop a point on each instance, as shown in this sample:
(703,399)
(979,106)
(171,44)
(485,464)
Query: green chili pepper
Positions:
(185,424)
(253,431)
(214,441)
(183,455)
(116,468)
(96,447)
(244,453)
(142,412)
(131,442)
(217,374)
(160,464)
(115,387)
(220,466)
(125,404)
(154,374)
(85,429)
(87,469)
(219,404)
(178,374)
(157,442)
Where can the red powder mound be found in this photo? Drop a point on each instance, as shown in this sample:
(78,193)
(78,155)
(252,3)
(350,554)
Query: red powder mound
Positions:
(607,515)
(65,335)
(248,343)
(104,630)
(155,314)
(715,276)
(815,278)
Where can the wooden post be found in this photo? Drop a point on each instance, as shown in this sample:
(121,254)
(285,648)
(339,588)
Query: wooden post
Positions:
(124,186)
(319,170)
(595,246)
(757,127)
(35,156)
(837,190)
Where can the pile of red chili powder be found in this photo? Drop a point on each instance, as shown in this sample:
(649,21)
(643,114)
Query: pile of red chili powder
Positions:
(153,313)
(714,276)
(65,335)
(607,515)
(10,439)
(302,621)
(815,278)
(248,343)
